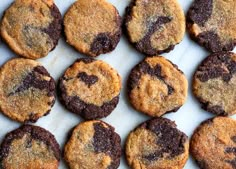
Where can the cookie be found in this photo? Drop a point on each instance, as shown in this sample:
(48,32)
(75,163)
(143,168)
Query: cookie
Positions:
(157,143)
(27,91)
(90,88)
(211,23)
(154,27)
(96,140)
(213,144)
(92,27)
(29,147)
(214,83)
(156,86)
(31,28)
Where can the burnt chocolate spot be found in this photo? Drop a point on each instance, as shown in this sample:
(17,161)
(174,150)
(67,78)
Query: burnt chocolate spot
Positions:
(144,45)
(200,11)
(105,42)
(33,80)
(144,68)
(88,79)
(55,27)
(105,140)
(36,133)
(217,65)
(170,140)
(85,110)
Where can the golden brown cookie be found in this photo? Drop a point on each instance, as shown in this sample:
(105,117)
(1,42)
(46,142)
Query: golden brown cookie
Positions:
(213,144)
(92,27)
(90,88)
(214,83)
(27,91)
(29,147)
(157,144)
(156,86)
(93,144)
(154,26)
(32,28)
(211,23)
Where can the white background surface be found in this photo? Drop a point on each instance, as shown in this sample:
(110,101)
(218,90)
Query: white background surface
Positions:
(187,55)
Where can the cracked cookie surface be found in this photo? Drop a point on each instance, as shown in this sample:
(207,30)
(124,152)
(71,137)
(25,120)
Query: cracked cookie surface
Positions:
(211,23)
(96,140)
(92,27)
(156,86)
(154,26)
(27,91)
(157,144)
(214,83)
(29,147)
(213,144)
(31,28)
(90,88)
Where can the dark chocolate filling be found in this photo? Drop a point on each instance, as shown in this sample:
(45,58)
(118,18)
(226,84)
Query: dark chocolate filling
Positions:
(145,45)
(214,66)
(105,42)
(87,79)
(170,140)
(144,68)
(55,27)
(105,140)
(33,80)
(212,42)
(231,150)
(36,133)
(53,30)
(200,11)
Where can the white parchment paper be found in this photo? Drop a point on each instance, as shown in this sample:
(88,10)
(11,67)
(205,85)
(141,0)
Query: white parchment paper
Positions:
(187,55)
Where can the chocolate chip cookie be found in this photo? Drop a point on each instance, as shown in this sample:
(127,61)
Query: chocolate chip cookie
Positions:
(156,86)
(214,83)
(27,91)
(29,147)
(32,28)
(92,27)
(213,144)
(93,144)
(90,88)
(158,144)
(154,27)
(211,23)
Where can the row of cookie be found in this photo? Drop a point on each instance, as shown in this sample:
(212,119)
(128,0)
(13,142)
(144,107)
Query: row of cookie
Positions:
(32,28)
(156,143)
(89,88)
